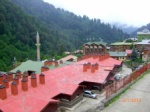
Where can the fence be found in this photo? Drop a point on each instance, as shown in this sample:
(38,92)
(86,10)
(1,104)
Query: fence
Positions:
(114,87)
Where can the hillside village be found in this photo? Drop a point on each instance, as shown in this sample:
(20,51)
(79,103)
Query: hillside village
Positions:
(58,85)
(52,60)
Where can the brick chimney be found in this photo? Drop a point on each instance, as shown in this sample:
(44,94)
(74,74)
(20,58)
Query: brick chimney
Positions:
(25,75)
(42,78)
(85,67)
(6,83)
(14,88)
(44,68)
(92,68)
(18,73)
(24,84)
(1,78)
(7,77)
(61,62)
(48,63)
(10,76)
(56,63)
(88,65)
(33,81)
(3,94)
(16,80)
(96,66)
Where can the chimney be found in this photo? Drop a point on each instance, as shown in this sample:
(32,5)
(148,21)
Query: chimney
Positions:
(88,65)
(6,83)
(96,66)
(92,68)
(45,63)
(10,76)
(44,68)
(42,78)
(14,88)
(61,62)
(16,80)
(85,67)
(56,63)
(33,81)
(24,84)
(3,94)
(18,74)
(49,63)
(1,78)
(25,75)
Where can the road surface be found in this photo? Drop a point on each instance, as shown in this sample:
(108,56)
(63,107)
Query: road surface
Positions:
(135,99)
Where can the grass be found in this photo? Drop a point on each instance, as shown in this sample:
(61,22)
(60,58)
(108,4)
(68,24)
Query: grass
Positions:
(118,96)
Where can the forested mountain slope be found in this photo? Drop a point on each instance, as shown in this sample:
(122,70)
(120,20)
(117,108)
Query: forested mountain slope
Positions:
(59,31)
(74,27)
(18,33)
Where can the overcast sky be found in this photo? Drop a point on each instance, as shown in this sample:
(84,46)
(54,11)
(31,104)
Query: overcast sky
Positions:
(131,12)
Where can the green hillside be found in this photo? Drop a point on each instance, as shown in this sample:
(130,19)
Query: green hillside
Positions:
(17,35)
(59,31)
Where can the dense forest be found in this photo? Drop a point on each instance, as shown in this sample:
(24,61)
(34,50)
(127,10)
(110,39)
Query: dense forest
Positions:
(59,31)
(76,28)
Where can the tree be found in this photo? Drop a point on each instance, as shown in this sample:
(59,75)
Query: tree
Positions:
(134,55)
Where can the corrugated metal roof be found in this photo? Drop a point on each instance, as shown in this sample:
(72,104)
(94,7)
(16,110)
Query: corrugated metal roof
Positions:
(68,58)
(97,43)
(111,53)
(144,42)
(121,43)
(61,80)
(30,65)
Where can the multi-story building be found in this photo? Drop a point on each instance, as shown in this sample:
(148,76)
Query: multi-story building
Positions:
(94,48)
(120,46)
(144,44)
(145,34)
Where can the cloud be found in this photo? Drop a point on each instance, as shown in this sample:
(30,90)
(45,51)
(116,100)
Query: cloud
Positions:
(131,12)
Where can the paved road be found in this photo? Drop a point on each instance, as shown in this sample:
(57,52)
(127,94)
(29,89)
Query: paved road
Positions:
(136,99)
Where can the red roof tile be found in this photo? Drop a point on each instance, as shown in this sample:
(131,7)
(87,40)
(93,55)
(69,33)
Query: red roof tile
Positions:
(61,80)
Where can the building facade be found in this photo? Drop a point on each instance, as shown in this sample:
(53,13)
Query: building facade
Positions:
(144,34)
(94,48)
(120,46)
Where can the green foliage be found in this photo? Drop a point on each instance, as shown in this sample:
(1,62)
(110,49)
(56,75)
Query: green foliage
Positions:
(59,31)
(70,29)
(78,55)
(131,46)
(134,54)
(129,40)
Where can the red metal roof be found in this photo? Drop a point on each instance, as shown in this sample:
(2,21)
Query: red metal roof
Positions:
(61,80)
